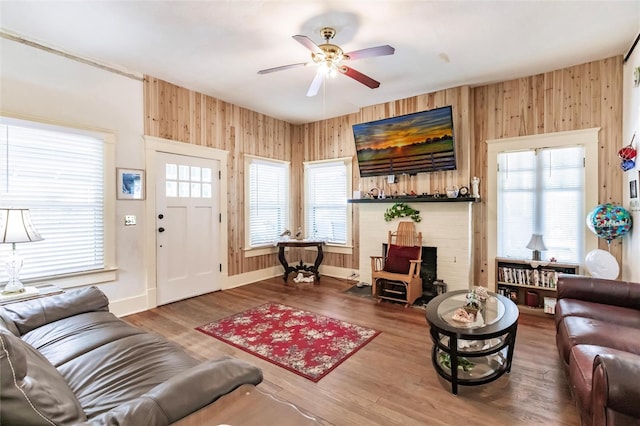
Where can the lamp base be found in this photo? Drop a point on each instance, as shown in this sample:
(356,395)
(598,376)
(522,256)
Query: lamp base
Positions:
(536,255)
(13,267)
(13,287)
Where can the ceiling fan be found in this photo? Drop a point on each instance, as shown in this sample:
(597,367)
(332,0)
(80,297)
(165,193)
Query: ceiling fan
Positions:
(329,58)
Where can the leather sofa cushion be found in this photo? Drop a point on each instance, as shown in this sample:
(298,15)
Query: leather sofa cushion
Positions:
(599,290)
(122,370)
(63,340)
(33,391)
(574,331)
(183,394)
(31,314)
(581,372)
(580,308)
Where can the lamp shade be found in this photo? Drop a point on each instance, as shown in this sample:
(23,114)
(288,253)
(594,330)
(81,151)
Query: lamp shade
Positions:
(16,227)
(536,243)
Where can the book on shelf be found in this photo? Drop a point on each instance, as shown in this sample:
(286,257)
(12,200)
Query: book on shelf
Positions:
(547,278)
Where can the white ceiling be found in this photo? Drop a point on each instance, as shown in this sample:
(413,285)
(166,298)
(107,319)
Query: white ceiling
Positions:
(217,47)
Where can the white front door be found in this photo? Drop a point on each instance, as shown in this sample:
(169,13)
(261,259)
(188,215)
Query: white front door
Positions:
(187,227)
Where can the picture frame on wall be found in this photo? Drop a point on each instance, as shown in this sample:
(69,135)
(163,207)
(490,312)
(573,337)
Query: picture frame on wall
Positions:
(130,184)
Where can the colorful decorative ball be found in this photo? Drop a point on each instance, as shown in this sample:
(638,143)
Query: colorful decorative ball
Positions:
(609,221)
(602,264)
(627,153)
(627,165)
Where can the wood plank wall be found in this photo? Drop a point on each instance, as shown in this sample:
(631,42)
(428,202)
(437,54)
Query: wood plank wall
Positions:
(183,115)
(333,138)
(579,97)
(583,96)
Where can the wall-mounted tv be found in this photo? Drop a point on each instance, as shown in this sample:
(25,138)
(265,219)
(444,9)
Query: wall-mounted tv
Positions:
(413,143)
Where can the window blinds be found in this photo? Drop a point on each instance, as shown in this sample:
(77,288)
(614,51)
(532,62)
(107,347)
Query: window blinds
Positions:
(542,191)
(60,178)
(326,201)
(268,201)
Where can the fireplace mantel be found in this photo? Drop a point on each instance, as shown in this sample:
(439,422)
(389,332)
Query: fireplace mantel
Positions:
(445,225)
(415,200)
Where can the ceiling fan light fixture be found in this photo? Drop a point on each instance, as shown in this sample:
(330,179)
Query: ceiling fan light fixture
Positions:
(329,58)
(329,69)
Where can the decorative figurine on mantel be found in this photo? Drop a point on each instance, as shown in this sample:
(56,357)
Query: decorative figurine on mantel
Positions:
(475,183)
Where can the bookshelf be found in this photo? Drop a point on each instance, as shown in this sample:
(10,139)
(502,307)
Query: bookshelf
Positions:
(529,284)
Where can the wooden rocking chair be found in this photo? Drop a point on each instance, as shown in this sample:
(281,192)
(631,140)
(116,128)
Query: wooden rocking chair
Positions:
(396,276)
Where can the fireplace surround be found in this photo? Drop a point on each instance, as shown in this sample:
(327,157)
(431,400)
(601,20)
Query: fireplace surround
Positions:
(445,226)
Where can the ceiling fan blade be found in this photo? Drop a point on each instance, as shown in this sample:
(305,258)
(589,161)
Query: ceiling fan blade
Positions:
(315,85)
(283,67)
(308,43)
(359,77)
(371,52)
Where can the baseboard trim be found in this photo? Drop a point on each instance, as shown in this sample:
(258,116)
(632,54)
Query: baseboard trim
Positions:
(132,305)
(147,301)
(239,280)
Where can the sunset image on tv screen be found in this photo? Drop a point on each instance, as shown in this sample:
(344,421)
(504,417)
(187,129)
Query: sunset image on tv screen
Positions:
(413,143)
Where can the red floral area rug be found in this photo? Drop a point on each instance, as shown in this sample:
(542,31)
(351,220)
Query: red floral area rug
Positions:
(303,342)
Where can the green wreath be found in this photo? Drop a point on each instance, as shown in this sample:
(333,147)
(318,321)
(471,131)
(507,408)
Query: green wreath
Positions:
(401,210)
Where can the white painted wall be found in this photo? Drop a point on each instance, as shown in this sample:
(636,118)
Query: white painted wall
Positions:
(631,124)
(446,226)
(51,88)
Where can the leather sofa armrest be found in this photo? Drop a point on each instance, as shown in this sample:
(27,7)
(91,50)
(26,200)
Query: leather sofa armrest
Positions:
(31,314)
(184,393)
(615,392)
(598,290)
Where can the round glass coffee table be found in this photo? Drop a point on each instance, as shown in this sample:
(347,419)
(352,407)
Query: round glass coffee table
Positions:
(476,352)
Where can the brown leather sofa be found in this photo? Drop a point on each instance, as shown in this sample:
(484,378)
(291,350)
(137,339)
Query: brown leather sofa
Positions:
(66,360)
(598,339)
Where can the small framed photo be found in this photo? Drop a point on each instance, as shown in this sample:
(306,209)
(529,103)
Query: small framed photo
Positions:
(633,189)
(130,184)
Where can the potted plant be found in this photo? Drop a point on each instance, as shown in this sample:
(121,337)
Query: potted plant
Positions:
(472,304)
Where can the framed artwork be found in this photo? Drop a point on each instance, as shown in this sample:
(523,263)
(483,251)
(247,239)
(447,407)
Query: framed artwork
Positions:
(130,184)
(633,189)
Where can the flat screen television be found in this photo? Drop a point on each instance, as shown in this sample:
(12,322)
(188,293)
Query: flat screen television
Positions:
(409,144)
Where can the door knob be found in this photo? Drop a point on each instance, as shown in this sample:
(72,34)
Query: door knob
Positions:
(160,229)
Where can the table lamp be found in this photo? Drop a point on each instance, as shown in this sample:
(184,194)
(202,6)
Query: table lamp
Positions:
(536,243)
(16,227)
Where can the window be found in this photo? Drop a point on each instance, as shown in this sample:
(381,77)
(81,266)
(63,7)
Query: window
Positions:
(59,174)
(327,187)
(268,195)
(542,191)
(187,181)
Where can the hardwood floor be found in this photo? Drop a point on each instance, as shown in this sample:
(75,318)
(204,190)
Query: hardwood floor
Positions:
(391,380)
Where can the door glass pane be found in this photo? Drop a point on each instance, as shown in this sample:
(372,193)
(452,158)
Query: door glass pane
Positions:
(206,190)
(171,171)
(183,172)
(183,190)
(171,189)
(206,174)
(195,190)
(195,174)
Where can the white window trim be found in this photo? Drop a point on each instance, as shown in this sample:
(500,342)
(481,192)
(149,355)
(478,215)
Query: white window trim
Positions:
(264,249)
(109,272)
(588,138)
(332,247)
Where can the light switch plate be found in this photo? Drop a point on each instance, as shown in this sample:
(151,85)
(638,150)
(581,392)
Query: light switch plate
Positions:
(129,220)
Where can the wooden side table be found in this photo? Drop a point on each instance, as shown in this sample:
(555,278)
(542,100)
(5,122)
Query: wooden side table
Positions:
(248,406)
(300,267)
